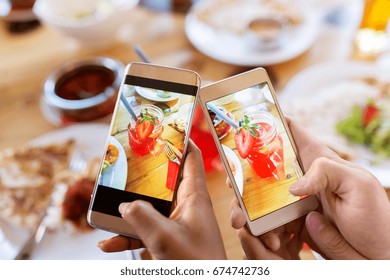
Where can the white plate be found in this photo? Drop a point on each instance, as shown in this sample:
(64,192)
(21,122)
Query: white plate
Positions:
(115,176)
(151,94)
(71,245)
(233,49)
(309,87)
(12,239)
(238,176)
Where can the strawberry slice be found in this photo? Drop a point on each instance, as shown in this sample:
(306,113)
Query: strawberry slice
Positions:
(369,114)
(145,125)
(143,129)
(244,142)
(245,136)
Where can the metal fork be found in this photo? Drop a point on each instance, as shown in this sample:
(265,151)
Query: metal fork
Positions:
(171,155)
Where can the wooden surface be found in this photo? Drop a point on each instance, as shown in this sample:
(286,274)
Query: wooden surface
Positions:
(27,59)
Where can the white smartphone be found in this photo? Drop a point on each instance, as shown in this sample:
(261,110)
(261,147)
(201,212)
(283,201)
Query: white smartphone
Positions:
(147,143)
(257,149)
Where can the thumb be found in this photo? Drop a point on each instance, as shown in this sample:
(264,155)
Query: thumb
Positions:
(324,174)
(328,239)
(149,224)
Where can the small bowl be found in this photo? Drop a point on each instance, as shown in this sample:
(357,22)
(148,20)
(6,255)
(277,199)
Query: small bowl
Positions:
(82,90)
(17,11)
(267,33)
(94,24)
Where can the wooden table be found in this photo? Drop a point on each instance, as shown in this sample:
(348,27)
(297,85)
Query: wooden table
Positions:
(27,59)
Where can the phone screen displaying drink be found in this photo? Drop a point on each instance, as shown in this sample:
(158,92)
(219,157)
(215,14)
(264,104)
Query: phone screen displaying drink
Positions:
(147,141)
(257,147)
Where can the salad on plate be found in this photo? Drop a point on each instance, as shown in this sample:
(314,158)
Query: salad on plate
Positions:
(370,124)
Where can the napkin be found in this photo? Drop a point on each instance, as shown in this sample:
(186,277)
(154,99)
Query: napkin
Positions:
(173,171)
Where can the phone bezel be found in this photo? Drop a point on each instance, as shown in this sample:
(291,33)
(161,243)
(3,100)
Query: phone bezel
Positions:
(117,224)
(234,84)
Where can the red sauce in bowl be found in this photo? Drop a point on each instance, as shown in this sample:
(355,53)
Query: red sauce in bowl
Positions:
(82,90)
(84,82)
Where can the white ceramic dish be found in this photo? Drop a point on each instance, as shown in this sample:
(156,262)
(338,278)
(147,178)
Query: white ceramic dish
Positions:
(71,245)
(115,176)
(234,49)
(238,176)
(308,88)
(152,94)
(94,23)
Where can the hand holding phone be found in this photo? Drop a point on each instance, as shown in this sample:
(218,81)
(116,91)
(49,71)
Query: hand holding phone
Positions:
(257,149)
(147,144)
(192,230)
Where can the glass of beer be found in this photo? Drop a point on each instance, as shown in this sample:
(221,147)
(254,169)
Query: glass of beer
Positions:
(373,35)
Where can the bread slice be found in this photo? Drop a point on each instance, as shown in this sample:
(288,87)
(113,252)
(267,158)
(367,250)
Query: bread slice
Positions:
(27,180)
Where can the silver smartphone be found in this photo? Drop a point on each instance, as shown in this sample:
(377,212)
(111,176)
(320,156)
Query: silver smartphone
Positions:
(147,143)
(257,149)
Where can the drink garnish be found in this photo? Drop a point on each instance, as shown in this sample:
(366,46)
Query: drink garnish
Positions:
(245,124)
(145,125)
(245,136)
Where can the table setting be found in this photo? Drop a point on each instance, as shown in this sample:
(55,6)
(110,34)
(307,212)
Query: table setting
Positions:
(62,65)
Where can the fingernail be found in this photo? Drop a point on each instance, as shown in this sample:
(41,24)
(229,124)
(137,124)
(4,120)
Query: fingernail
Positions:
(298,185)
(294,188)
(315,221)
(100,244)
(122,207)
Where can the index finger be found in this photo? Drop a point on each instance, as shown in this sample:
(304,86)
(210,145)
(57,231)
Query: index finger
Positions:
(194,178)
(330,175)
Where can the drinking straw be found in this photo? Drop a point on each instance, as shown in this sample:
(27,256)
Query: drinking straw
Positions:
(222,115)
(138,50)
(141,54)
(128,107)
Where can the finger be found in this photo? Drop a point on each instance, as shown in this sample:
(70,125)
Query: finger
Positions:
(193,190)
(328,238)
(271,241)
(149,224)
(237,220)
(294,247)
(119,243)
(237,216)
(228,182)
(309,147)
(193,174)
(253,247)
(324,173)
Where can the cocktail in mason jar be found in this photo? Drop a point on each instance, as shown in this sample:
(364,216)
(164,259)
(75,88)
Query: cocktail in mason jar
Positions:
(258,141)
(145,133)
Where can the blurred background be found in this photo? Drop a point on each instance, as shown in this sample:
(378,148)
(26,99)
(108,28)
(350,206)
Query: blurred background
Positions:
(329,62)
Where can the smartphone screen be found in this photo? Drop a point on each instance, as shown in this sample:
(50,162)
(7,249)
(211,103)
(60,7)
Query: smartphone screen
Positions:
(257,148)
(145,148)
